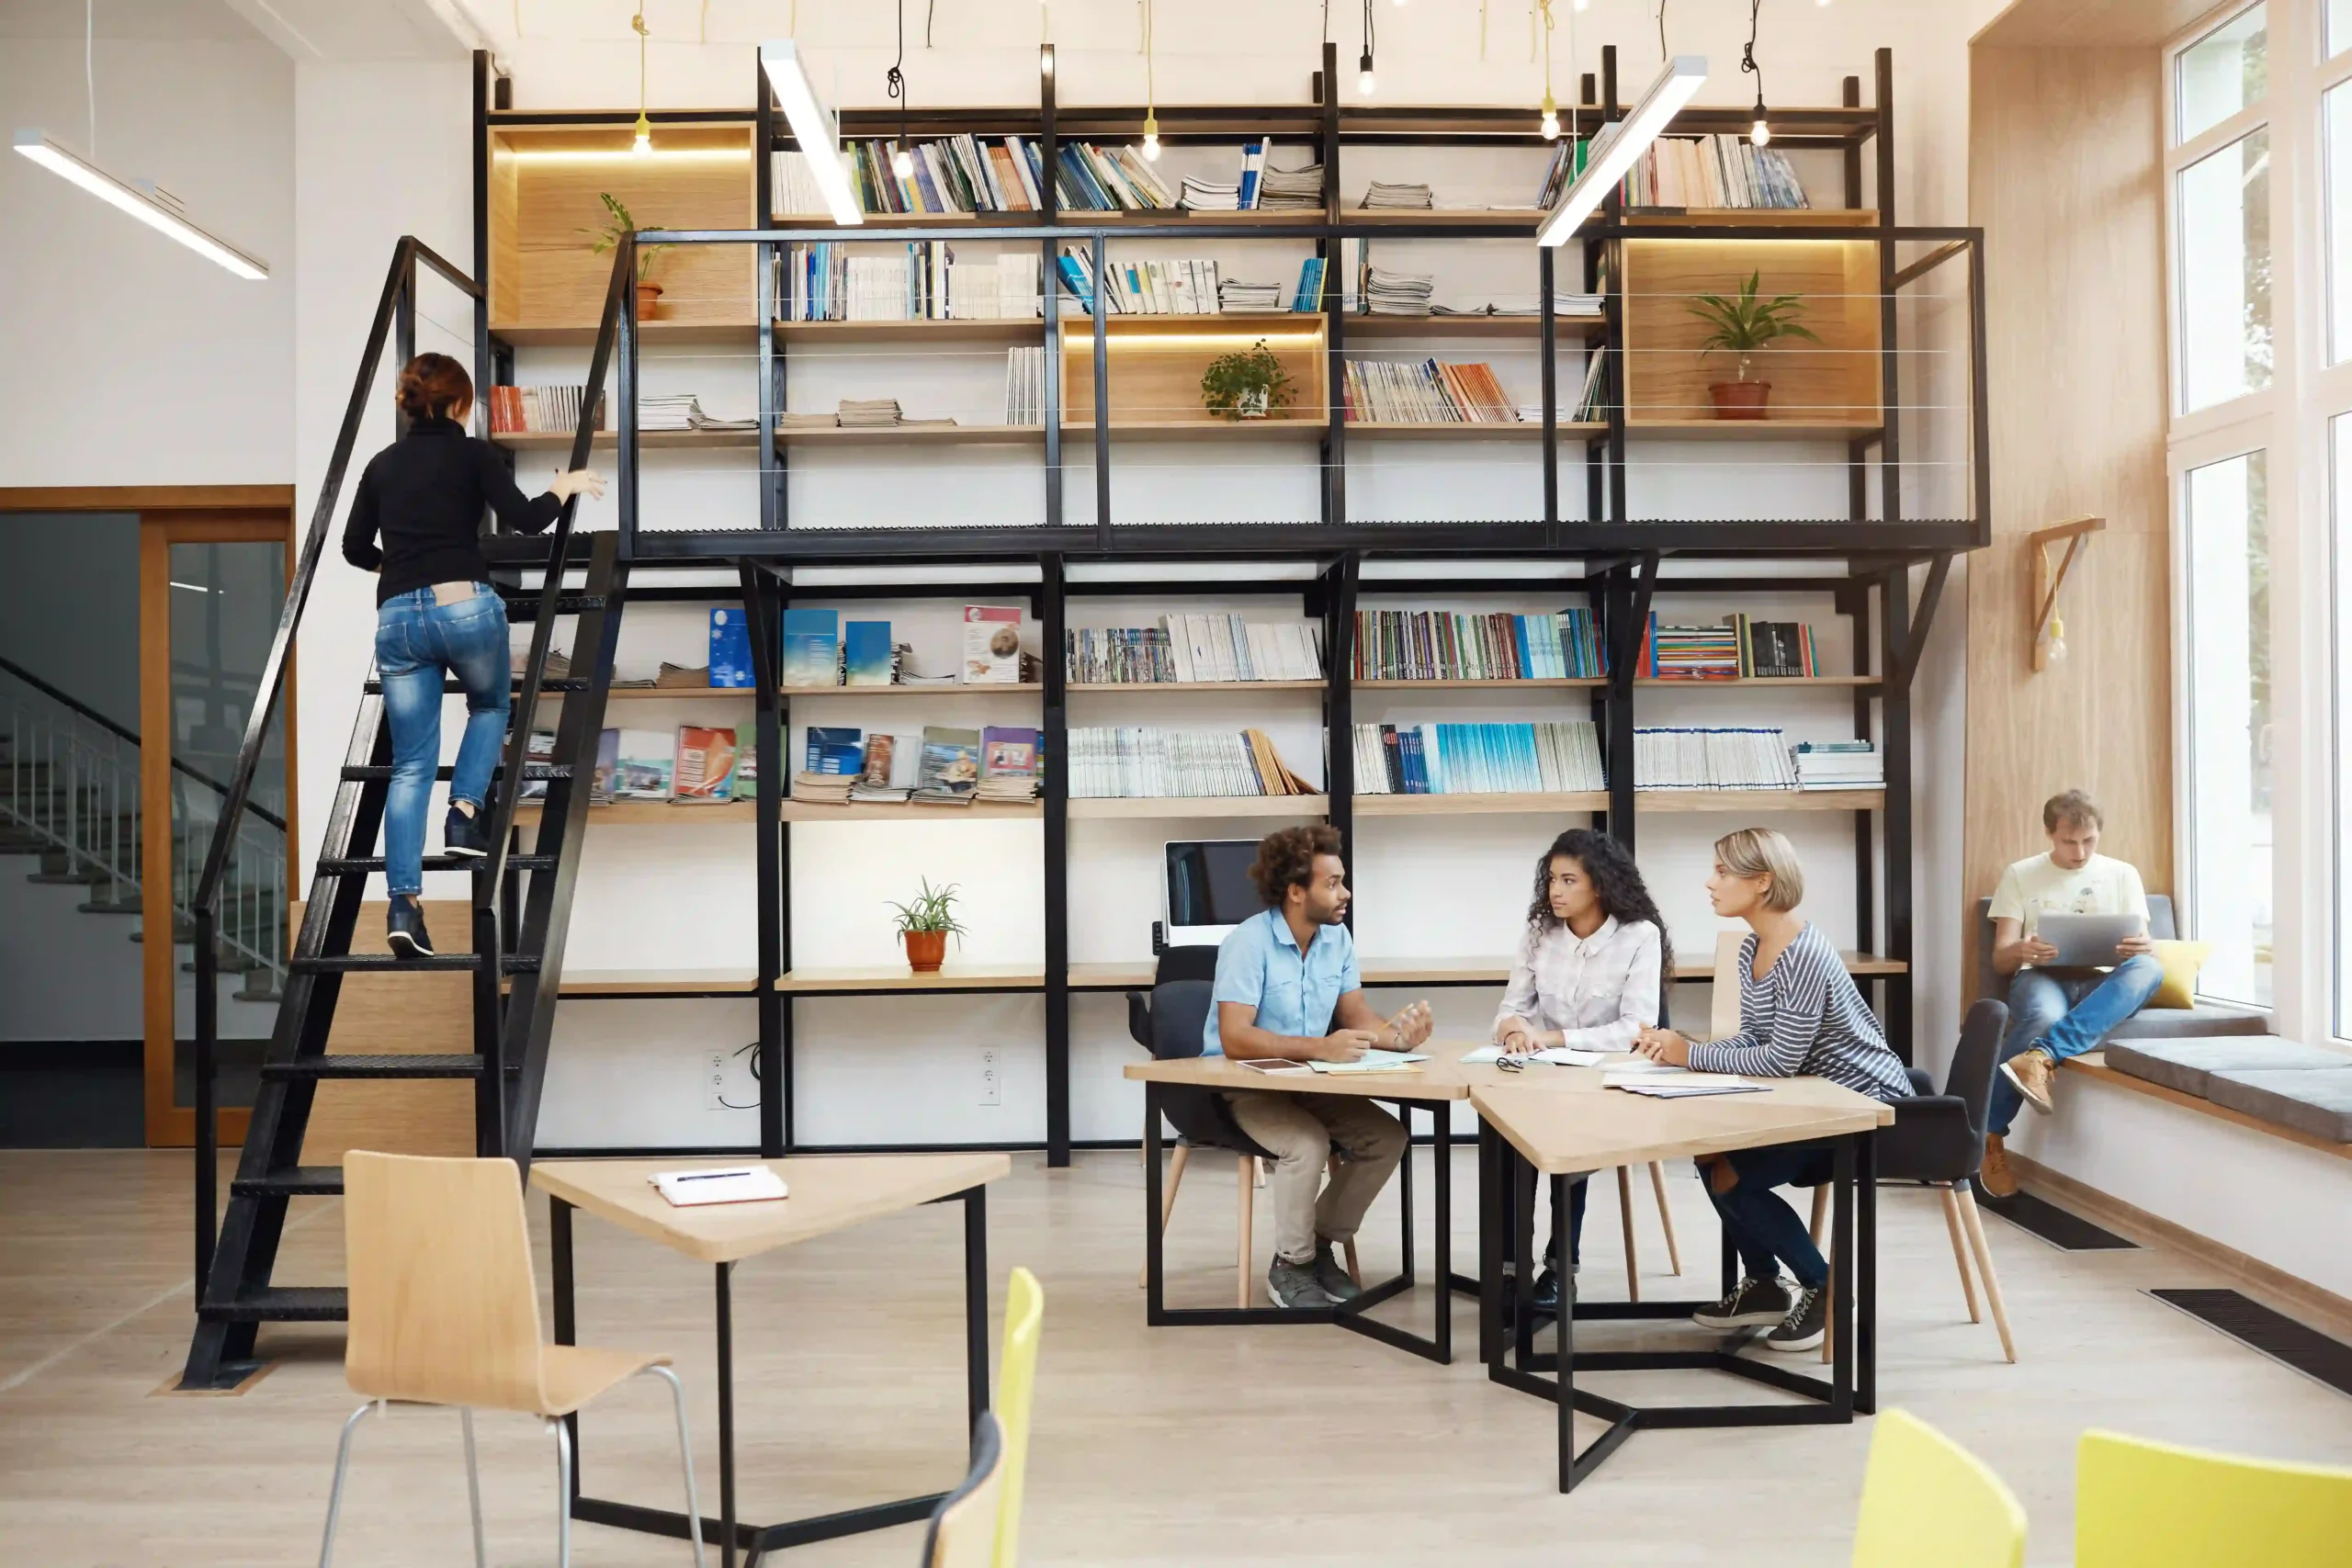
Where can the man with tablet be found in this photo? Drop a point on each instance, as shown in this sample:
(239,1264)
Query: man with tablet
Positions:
(2070,928)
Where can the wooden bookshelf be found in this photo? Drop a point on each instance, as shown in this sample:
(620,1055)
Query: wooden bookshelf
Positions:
(1752,216)
(651,440)
(578,982)
(1159,688)
(867,980)
(918,435)
(1848,681)
(1489,805)
(1203,805)
(1772,429)
(655,814)
(658,332)
(1155,371)
(1468,430)
(1360,327)
(1547,684)
(1004,330)
(945,689)
(1671,800)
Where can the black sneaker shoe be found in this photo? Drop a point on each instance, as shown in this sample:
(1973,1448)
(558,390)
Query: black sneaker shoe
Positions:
(404,931)
(1294,1285)
(1332,1275)
(1753,1303)
(464,835)
(1807,1321)
(1547,1289)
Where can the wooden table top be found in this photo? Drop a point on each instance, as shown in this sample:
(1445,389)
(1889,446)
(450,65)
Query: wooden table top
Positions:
(1443,1076)
(1562,1133)
(829,1192)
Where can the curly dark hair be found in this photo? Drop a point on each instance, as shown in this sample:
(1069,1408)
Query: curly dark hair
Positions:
(1286,859)
(1615,878)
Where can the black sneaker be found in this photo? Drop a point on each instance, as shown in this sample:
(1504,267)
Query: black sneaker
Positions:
(464,835)
(1807,1321)
(1332,1275)
(1294,1285)
(404,931)
(1753,1303)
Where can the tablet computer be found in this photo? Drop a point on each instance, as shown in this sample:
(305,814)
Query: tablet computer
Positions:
(2086,942)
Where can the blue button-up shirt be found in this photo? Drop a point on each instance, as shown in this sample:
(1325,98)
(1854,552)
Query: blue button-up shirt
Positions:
(1294,993)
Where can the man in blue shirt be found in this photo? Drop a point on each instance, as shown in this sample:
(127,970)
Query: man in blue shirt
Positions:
(1287,989)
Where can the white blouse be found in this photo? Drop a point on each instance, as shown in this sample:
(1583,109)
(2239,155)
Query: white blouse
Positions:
(1599,991)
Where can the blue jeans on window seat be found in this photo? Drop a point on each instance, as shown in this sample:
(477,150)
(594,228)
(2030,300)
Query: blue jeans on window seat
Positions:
(2066,1013)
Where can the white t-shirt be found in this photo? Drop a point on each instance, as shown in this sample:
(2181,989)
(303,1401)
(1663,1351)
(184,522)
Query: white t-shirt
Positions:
(2032,888)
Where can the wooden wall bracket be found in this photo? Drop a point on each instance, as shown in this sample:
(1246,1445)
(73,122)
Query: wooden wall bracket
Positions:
(2048,580)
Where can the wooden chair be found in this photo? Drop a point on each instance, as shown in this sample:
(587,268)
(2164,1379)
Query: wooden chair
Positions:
(444,1310)
(1928,1502)
(2142,1504)
(1016,1389)
(963,1532)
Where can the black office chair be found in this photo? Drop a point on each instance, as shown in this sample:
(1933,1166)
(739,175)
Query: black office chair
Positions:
(1170,1023)
(1938,1139)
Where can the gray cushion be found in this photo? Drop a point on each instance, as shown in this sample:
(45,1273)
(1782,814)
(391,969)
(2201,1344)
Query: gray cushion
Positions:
(2189,1064)
(2314,1100)
(1995,986)
(2200,1022)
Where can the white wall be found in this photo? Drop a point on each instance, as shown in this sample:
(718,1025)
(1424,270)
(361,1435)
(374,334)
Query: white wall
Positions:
(131,359)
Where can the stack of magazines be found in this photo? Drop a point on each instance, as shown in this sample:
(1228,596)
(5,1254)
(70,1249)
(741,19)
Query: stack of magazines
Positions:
(1209,196)
(1398,293)
(1399,198)
(1235,296)
(1292,188)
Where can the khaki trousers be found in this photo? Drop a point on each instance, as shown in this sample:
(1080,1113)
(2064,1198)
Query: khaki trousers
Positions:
(1300,1131)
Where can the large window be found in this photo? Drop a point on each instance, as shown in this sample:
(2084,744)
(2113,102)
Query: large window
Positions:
(2225,508)
(2222,207)
(2223,72)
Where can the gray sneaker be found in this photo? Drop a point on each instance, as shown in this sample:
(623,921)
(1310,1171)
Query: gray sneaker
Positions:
(1332,1274)
(1293,1285)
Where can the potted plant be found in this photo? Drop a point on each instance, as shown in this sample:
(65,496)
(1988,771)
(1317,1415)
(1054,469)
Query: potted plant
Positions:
(924,925)
(1245,386)
(618,224)
(1744,326)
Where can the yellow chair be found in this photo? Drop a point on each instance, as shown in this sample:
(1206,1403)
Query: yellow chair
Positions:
(1016,1388)
(1928,1502)
(964,1527)
(444,1310)
(2142,1504)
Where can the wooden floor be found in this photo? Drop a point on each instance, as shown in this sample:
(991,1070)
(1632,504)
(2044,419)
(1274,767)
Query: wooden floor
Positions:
(1277,1446)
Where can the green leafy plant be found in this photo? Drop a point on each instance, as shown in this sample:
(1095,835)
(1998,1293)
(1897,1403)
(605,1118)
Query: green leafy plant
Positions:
(932,910)
(1744,324)
(1233,380)
(619,223)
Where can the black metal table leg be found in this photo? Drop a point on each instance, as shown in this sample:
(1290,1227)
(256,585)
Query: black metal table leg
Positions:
(1439,1345)
(1563,1333)
(726,1302)
(976,1302)
(1491,1225)
(567,1330)
(1841,1282)
(1866,1273)
(1405,1192)
(1441,1142)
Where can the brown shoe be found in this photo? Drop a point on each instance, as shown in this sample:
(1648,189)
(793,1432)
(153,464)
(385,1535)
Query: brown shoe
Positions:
(1995,1177)
(2031,1071)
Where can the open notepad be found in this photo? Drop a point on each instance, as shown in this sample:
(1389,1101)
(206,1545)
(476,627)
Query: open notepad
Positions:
(1557,1056)
(1376,1062)
(732,1184)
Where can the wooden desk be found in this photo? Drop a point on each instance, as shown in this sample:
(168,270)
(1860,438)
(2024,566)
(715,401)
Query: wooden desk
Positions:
(895,979)
(1561,1132)
(624,983)
(828,1194)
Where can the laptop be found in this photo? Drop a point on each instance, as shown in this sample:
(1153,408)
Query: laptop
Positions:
(2087,941)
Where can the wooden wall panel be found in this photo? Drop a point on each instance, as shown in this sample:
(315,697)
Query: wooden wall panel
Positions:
(1834,381)
(388,1014)
(2065,177)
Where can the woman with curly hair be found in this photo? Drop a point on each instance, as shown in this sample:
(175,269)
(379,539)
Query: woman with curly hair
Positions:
(1587,974)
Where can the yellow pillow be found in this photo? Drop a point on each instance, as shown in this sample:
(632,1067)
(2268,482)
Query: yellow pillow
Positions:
(2181,960)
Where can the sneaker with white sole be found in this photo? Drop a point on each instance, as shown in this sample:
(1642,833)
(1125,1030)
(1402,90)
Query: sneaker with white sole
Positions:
(1753,1303)
(1293,1286)
(1806,1322)
(1332,1275)
(2031,1071)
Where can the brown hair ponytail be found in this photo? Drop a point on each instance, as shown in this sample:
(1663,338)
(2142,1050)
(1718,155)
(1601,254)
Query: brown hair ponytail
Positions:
(434,384)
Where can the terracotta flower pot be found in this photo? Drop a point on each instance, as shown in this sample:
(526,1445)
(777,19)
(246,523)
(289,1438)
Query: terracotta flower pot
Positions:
(1740,400)
(925,951)
(648,300)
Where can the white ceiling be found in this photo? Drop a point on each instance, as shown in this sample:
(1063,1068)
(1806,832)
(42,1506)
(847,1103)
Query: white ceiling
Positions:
(152,20)
(304,29)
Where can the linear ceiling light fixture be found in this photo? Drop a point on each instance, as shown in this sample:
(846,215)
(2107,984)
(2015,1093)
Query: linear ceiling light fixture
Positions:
(1622,142)
(152,205)
(813,127)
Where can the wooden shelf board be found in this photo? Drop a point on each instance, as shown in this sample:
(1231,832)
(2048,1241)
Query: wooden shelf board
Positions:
(1530,327)
(911,219)
(688,694)
(921,435)
(1548,683)
(1206,806)
(1766,681)
(1666,800)
(1478,805)
(646,814)
(1115,974)
(655,982)
(1752,218)
(654,333)
(748,692)
(1202,429)
(1748,429)
(1442,216)
(1014,329)
(1158,687)
(1436,430)
(647,440)
(809,982)
(887,811)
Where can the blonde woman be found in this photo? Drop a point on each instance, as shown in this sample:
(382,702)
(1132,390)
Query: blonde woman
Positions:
(1799,1013)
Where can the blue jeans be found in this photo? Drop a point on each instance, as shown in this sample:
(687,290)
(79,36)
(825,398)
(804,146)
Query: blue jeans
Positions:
(416,642)
(1761,1224)
(2066,1014)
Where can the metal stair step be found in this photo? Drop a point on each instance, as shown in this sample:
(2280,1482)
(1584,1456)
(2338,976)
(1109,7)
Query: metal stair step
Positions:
(385,963)
(294,1181)
(279,1303)
(361,865)
(526,606)
(418,1065)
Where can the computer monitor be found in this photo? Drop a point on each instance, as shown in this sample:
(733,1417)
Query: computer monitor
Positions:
(1208,888)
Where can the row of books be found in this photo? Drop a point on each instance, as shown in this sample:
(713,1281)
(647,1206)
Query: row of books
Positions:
(1195,649)
(1741,648)
(1712,170)
(693,765)
(941,766)
(1130,762)
(921,281)
(1255,187)
(1426,392)
(516,411)
(1711,759)
(1839,764)
(1171,288)
(820,650)
(1025,385)
(1478,759)
(1446,645)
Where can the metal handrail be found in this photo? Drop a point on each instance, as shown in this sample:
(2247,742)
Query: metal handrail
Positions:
(94,716)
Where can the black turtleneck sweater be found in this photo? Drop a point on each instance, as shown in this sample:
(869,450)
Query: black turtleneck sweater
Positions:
(424,493)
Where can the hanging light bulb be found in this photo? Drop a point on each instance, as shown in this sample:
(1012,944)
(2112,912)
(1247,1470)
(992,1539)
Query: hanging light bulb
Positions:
(1151,138)
(1364,82)
(1150,92)
(1761,133)
(1550,124)
(1551,121)
(642,144)
(902,162)
(2053,642)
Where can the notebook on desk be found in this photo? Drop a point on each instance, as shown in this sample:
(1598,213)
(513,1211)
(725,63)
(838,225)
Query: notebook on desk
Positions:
(732,1184)
(1375,1062)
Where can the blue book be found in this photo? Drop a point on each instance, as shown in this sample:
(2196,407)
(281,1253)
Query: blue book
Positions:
(866,652)
(812,642)
(1408,747)
(1074,279)
(836,751)
(731,648)
(1527,670)
(1252,161)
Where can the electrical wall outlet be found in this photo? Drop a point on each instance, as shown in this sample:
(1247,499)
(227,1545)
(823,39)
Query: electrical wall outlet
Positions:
(715,1073)
(991,1084)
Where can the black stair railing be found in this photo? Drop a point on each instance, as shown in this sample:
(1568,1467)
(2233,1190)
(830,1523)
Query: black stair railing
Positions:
(395,310)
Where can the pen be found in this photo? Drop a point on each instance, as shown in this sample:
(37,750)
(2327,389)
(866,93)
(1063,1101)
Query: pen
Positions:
(714,1175)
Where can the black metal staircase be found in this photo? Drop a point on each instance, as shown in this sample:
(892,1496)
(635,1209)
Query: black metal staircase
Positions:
(521,903)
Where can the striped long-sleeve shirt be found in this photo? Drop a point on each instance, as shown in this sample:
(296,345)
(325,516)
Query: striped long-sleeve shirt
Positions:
(1805,1017)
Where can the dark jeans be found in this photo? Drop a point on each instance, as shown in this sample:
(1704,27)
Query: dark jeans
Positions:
(417,642)
(1759,1223)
